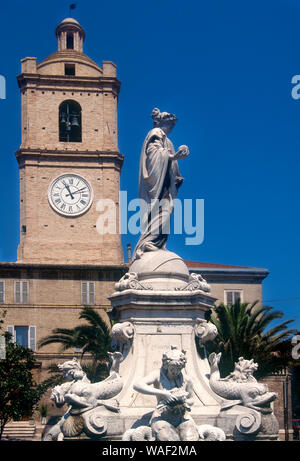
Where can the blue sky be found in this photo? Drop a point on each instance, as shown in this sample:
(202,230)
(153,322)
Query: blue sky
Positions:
(225,69)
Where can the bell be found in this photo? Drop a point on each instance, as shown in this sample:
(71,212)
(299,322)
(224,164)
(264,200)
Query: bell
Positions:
(74,121)
(63,118)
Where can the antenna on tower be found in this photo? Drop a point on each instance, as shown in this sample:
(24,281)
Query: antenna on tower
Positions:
(72,7)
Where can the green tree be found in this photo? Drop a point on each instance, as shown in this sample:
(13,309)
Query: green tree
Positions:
(93,338)
(245,330)
(19,393)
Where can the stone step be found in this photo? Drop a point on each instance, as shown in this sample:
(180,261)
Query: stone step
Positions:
(19,430)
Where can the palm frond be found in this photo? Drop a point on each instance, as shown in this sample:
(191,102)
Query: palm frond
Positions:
(244,330)
(93,338)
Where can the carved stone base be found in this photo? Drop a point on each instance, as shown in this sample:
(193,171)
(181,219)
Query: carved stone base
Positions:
(267,430)
(160,320)
(244,424)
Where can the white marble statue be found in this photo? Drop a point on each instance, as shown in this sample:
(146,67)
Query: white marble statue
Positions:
(159,180)
(171,419)
(88,402)
(240,387)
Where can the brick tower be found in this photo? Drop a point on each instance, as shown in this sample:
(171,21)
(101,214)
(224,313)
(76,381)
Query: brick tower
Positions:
(69,158)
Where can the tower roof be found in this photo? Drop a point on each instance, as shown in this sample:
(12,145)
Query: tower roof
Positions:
(67,56)
(69,24)
(70,20)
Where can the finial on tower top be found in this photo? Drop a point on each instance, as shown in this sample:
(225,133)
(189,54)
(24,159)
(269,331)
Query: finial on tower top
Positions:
(72,7)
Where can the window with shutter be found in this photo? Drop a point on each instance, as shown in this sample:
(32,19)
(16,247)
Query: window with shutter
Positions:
(2,292)
(32,338)
(25,292)
(17,292)
(23,335)
(21,292)
(88,293)
(2,347)
(91,293)
(11,329)
(230,297)
(84,295)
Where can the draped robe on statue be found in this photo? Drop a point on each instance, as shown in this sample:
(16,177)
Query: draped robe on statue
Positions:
(159,180)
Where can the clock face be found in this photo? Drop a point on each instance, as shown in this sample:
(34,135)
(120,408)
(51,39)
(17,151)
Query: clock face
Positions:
(70,195)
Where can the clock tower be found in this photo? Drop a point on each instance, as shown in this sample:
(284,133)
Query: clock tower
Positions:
(69,159)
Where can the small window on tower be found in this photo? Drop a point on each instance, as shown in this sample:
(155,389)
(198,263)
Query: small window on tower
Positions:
(70,41)
(69,69)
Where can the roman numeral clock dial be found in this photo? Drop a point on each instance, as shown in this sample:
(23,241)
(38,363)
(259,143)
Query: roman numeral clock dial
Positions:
(70,195)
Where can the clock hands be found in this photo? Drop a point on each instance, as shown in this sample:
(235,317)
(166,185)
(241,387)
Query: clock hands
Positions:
(68,189)
(76,192)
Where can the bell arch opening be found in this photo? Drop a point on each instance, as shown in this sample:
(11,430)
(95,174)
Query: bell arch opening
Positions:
(70,128)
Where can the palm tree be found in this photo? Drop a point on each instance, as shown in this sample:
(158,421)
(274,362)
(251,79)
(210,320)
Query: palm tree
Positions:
(244,330)
(93,338)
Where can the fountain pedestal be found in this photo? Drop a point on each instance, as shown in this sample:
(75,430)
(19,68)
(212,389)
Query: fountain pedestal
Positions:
(159,367)
(162,309)
(158,304)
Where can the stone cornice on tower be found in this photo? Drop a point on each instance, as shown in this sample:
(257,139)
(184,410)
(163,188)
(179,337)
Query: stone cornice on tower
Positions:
(101,157)
(105,82)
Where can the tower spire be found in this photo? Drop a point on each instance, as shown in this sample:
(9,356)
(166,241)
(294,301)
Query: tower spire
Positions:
(72,7)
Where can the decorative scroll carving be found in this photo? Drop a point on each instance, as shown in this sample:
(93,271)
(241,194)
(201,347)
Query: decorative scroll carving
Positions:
(95,423)
(249,422)
(130,282)
(122,335)
(122,332)
(205,331)
(196,282)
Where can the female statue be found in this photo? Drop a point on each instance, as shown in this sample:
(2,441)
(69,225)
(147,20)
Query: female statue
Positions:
(159,181)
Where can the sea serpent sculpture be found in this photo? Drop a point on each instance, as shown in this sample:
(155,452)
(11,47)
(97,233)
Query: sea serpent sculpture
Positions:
(89,403)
